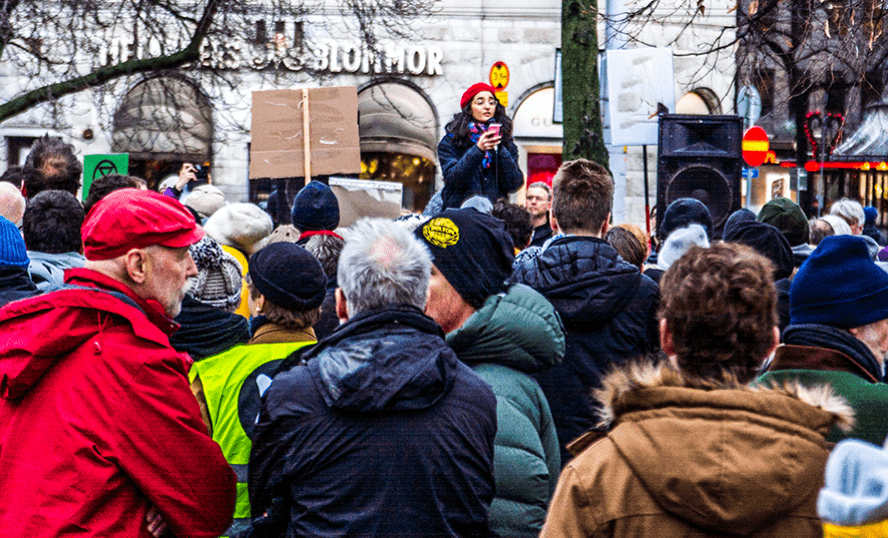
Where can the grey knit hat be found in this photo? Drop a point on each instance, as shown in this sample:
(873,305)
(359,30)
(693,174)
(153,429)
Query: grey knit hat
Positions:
(240,225)
(206,200)
(218,282)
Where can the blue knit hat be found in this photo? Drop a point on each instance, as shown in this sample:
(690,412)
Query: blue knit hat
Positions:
(870,214)
(315,208)
(839,285)
(12,246)
(855,489)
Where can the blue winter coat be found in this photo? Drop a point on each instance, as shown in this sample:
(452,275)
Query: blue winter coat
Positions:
(383,433)
(464,176)
(609,312)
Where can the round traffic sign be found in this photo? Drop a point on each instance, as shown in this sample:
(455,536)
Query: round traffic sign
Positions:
(755,146)
(499,76)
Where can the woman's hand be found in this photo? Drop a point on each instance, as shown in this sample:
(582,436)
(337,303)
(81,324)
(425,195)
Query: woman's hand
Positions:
(489,140)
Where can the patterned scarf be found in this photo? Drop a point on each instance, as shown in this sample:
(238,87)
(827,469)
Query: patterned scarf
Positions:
(475,132)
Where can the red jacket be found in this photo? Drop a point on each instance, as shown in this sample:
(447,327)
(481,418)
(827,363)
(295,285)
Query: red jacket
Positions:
(97,421)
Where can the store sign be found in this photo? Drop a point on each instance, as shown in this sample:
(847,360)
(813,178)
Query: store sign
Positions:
(332,56)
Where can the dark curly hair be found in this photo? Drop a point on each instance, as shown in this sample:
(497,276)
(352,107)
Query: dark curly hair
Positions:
(459,125)
(52,222)
(720,306)
(107,184)
(519,223)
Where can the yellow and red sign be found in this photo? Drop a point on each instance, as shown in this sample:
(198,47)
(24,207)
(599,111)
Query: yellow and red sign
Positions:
(755,146)
(499,76)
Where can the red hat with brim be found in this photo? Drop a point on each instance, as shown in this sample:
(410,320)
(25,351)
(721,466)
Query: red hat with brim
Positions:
(474,90)
(134,218)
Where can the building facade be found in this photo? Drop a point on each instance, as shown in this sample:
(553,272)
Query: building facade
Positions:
(407,92)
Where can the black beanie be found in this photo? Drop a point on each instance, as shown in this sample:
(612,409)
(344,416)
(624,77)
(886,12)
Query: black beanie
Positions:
(288,276)
(472,250)
(741,215)
(681,213)
(315,208)
(767,241)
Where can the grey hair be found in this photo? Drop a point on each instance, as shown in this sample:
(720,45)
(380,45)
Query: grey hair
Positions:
(849,210)
(382,264)
(541,185)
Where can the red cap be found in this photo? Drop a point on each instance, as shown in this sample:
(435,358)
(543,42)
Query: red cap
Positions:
(133,218)
(474,90)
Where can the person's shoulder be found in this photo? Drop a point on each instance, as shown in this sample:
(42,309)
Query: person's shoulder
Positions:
(294,392)
(468,386)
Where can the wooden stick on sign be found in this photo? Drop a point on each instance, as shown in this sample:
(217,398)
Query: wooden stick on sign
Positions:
(306,135)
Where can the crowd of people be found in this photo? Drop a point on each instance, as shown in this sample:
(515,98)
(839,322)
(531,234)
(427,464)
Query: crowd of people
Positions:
(174,364)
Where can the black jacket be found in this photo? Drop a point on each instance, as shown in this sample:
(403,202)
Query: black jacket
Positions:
(541,234)
(15,284)
(609,312)
(464,177)
(383,433)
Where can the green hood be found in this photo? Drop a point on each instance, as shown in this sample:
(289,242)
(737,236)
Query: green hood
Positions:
(519,329)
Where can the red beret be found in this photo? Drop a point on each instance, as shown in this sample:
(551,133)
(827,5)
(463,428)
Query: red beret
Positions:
(474,90)
(133,218)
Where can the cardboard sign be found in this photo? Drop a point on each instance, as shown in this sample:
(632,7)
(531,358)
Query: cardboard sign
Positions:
(278,148)
(360,198)
(97,166)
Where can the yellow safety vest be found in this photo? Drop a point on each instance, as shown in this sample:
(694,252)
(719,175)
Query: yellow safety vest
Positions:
(242,373)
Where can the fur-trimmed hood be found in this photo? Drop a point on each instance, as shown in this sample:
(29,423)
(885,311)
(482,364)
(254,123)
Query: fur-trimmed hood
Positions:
(721,455)
(621,382)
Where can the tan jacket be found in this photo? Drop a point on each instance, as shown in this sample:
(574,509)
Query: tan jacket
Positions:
(683,460)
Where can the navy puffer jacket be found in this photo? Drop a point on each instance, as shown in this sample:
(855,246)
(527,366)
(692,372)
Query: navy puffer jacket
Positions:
(609,310)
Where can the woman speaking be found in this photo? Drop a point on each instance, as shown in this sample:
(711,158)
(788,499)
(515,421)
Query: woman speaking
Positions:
(477,155)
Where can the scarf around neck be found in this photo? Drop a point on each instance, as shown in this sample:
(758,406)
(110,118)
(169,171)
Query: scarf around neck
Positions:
(840,340)
(475,131)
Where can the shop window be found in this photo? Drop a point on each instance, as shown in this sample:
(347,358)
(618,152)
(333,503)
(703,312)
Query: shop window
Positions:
(417,174)
(835,96)
(542,167)
(871,89)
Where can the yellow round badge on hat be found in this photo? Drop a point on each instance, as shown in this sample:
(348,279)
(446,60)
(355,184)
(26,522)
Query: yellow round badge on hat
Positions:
(441,232)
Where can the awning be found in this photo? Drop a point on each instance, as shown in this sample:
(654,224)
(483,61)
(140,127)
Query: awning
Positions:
(870,141)
(395,118)
(164,118)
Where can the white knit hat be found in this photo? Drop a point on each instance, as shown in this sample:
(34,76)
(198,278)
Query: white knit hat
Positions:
(680,241)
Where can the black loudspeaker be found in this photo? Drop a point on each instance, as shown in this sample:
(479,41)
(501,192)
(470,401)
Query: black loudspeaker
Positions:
(699,157)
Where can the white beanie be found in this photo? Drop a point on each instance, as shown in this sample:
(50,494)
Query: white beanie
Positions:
(680,241)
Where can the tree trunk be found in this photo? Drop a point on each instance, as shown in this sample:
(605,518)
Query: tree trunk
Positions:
(583,136)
